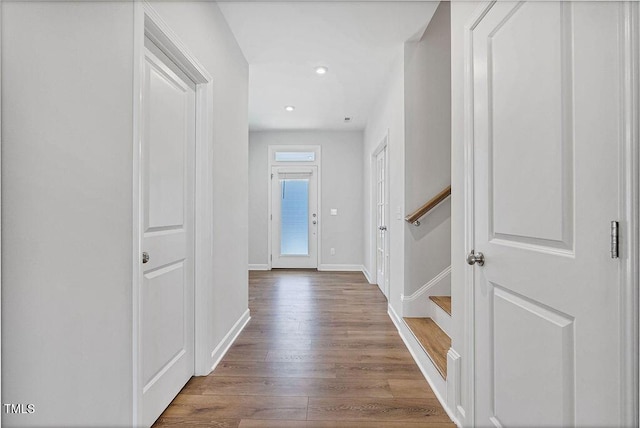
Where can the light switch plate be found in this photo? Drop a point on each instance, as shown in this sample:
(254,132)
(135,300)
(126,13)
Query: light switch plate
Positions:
(334,211)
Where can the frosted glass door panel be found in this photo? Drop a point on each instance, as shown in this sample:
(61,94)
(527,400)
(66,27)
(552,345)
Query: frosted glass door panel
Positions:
(294,233)
(294,217)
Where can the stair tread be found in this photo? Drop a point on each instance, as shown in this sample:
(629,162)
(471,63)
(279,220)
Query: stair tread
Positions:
(443,301)
(434,341)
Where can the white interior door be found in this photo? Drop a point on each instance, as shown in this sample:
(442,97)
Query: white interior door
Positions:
(167,314)
(381,221)
(294,217)
(546,95)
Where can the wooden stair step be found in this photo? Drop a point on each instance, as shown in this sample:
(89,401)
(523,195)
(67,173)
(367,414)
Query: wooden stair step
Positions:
(443,301)
(434,341)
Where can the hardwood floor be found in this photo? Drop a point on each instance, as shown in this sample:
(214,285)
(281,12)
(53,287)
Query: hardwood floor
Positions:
(320,351)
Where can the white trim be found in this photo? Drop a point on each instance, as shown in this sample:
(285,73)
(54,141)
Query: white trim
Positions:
(147,22)
(138,68)
(454,361)
(467,386)
(1,7)
(168,41)
(630,211)
(367,275)
(418,304)
(636,194)
(218,353)
(384,145)
(340,268)
(426,366)
(438,278)
(259,266)
(271,163)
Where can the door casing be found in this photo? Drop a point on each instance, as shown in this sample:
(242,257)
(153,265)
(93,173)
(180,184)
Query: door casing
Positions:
(384,145)
(272,162)
(310,260)
(148,23)
(629,173)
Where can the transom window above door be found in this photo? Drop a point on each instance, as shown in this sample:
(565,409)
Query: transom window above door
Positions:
(294,156)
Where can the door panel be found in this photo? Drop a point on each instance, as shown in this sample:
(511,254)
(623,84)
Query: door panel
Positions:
(162,319)
(546,138)
(165,160)
(167,323)
(294,217)
(381,222)
(294,211)
(544,340)
(529,101)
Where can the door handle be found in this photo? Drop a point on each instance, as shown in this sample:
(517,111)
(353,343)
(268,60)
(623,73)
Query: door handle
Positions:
(474,258)
(145,257)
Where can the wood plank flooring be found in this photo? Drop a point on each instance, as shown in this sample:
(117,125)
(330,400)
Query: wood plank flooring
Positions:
(319,352)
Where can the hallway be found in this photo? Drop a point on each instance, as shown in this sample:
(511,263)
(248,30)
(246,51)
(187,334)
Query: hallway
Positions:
(319,351)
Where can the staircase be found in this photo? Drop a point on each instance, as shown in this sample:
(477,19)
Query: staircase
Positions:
(431,323)
(433,333)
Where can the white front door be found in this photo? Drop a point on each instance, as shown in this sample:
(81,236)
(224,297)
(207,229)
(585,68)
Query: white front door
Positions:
(381,221)
(167,171)
(546,98)
(295,217)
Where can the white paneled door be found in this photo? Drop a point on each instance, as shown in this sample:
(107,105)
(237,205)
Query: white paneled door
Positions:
(546,90)
(294,217)
(167,306)
(381,221)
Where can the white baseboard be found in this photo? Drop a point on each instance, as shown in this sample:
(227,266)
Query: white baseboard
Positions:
(418,303)
(258,267)
(367,275)
(340,268)
(429,371)
(453,383)
(229,338)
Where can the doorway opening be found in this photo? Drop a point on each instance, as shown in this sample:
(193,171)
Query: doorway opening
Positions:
(294,211)
(172,216)
(380,219)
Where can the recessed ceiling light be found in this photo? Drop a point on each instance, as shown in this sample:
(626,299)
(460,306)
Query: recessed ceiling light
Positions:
(321,70)
(289,108)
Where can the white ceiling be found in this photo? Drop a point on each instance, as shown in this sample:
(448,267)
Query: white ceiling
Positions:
(284,41)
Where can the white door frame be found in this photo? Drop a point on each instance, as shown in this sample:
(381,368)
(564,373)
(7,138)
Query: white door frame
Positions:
(147,22)
(272,162)
(629,174)
(630,209)
(384,144)
(1,3)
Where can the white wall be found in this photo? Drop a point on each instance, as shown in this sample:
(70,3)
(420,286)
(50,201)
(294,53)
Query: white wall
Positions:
(427,103)
(67,211)
(341,188)
(67,142)
(387,116)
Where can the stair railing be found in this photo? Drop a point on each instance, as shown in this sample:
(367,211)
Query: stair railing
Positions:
(414,218)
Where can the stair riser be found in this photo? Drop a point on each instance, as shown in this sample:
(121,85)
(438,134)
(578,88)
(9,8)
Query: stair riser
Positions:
(441,318)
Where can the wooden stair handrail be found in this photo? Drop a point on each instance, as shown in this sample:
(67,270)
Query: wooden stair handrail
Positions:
(431,204)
